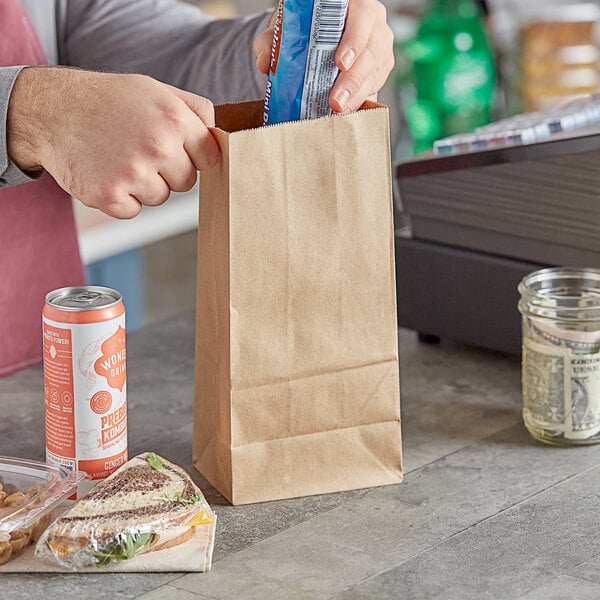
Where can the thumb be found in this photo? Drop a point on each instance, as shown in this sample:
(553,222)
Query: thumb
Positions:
(262,50)
(201,106)
(263,44)
(200,145)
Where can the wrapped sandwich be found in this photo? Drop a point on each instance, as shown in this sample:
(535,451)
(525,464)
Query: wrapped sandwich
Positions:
(149,508)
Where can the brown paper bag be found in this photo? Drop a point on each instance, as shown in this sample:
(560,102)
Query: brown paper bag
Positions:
(297,383)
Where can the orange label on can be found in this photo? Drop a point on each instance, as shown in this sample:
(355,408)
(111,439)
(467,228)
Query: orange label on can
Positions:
(113,425)
(101,468)
(85,394)
(112,362)
(101,402)
(58,391)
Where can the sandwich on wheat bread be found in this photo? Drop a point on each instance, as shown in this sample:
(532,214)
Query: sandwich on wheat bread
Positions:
(148,505)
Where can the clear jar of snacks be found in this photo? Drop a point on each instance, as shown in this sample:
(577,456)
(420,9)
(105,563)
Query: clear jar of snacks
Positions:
(560,310)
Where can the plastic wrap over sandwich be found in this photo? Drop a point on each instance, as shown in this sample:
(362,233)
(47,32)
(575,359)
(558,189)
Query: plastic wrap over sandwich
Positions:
(148,509)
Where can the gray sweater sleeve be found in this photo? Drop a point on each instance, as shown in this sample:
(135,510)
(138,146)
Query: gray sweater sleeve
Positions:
(10,174)
(169,40)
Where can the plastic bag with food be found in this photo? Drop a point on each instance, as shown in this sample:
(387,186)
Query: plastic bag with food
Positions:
(303,69)
(29,490)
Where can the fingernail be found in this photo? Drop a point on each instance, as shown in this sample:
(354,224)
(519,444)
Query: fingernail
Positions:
(342,98)
(348,59)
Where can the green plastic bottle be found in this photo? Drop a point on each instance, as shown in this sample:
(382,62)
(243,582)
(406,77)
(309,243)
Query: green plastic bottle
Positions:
(454,74)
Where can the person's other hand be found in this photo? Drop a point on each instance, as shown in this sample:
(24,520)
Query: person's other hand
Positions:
(365,55)
(115,142)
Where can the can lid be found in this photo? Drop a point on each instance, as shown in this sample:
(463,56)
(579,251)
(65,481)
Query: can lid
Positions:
(89,297)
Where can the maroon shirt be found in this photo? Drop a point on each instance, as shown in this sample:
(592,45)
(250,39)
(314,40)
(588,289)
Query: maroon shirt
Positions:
(38,240)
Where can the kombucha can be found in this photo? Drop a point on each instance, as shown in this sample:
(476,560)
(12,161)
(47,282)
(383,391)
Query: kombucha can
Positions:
(85,379)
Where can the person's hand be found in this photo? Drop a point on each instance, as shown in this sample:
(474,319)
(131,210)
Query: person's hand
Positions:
(115,142)
(365,55)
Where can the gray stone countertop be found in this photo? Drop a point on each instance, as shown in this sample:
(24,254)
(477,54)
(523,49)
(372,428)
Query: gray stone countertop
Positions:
(484,510)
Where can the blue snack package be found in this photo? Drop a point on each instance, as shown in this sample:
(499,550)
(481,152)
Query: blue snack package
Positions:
(303,69)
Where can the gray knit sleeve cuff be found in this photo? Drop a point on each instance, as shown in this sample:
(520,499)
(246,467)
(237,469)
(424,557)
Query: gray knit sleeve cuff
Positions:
(10,174)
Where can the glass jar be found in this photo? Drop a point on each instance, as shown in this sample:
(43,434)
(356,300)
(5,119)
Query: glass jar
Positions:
(560,310)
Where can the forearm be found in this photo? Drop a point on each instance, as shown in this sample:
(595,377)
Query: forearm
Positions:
(10,174)
(171,41)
